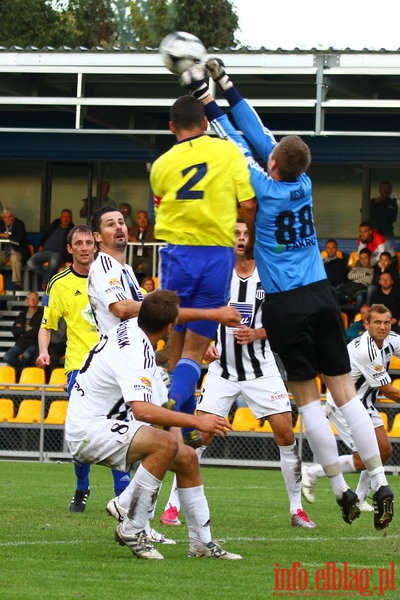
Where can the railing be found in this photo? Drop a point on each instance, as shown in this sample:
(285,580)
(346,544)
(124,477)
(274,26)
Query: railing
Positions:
(155,245)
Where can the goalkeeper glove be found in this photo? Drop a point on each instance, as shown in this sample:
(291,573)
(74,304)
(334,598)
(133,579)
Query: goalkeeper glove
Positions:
(195,80)
(215,69)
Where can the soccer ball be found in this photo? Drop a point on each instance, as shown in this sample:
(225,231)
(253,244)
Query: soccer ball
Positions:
(180,50)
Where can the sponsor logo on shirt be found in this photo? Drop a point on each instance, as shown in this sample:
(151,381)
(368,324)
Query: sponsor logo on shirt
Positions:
(114,281)
(146,382)
(378,368)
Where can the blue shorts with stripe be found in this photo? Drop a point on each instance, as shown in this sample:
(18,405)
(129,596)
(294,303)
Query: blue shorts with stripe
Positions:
(201,275)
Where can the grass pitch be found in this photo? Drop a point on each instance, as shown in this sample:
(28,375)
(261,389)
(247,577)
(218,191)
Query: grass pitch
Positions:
(48,552)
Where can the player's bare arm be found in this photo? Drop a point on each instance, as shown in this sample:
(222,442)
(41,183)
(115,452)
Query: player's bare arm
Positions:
(390,392)
(157,415)
(125,309)
(43,360)
(226,315)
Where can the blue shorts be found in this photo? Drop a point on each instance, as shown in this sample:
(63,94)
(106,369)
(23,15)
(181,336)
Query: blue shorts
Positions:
(201,275)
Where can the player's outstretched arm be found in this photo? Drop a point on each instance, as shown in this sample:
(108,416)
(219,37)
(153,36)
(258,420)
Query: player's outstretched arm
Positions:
(226,315)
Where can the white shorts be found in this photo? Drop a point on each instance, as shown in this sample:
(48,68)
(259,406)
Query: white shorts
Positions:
(340,423)
(106,443)
(265,396)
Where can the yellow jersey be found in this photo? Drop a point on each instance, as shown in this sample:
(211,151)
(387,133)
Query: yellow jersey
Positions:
(66,296)
(196,186)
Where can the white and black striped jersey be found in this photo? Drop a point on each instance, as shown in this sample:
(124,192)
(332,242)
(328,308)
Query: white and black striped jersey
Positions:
(370,364)
(248,361)
(120,369)
(109,282)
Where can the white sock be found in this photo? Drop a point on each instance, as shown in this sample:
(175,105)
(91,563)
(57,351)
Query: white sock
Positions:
(195,508)
(144,492)
(347,463)
(363,435)
(363,486)
(323,444)
(173,499)
(291,473)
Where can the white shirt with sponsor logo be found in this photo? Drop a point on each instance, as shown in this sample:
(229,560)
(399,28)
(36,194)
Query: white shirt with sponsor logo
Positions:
(248,361)
(120,369)
(109,282)
(369,366)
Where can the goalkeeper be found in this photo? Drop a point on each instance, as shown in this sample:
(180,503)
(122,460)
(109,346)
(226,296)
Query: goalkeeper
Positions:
(300,311)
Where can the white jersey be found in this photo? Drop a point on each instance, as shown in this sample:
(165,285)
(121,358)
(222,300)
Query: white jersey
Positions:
(109,282)
(248,361)
(120,369)
(369,366)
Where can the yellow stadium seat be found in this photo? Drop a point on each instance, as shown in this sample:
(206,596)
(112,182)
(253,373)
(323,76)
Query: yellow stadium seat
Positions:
(6,409)
(29,411)
(266,428)
(1,284)
(244,420)
(7,375)
(394,363)
(395,431)
(58,378)
(339,254)
(385,420)
(353,258)
(57,412)
(298,426)
(31,375)
(345,320)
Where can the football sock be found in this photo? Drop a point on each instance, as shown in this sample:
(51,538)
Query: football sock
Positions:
(82,471)
(144,491)
(186,375)
(323,444)
(363,486)
(173,499)
(121,481)
(195,508)
(291,473)
(363,434)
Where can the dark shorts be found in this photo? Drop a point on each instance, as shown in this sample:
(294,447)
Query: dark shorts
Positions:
(202,277)
(305,328)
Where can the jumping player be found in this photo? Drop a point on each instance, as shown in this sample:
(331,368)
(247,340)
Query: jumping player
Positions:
(300,312)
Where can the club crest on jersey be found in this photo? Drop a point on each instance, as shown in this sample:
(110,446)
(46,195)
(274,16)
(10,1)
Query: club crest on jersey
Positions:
(260,294)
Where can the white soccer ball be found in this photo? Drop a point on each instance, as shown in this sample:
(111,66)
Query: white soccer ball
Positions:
(180,50)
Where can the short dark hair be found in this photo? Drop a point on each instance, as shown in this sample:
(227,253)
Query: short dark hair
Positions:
(292,156)
(96,217)
(158,310)
(378,308)
(365,224)
(365,251)
(78,229)
(187,112)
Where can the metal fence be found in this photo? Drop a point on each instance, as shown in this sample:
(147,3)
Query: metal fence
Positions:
(44,442)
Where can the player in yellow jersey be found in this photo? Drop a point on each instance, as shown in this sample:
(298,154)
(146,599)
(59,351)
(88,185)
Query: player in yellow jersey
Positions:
(196,186)
(66,296)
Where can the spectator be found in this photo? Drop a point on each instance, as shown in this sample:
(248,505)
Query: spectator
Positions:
(54,248)
(126,211)
(25,331)
(17,251)
(104,200)
(148,284)
(335,267)
(383,210)
(143,232)
(358,326)
(359,280)
(373,240)
(389,295)
(385,265)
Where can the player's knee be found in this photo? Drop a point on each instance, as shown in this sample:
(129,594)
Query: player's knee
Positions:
(168,446)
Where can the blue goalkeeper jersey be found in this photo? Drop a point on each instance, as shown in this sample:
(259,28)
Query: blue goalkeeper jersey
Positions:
(286,247)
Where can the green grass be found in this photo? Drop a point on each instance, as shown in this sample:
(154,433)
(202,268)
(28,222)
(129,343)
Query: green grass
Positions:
(48,552)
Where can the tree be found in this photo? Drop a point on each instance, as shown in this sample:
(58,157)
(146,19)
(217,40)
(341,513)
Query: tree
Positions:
(94,25)
(213,21)
(30,23)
